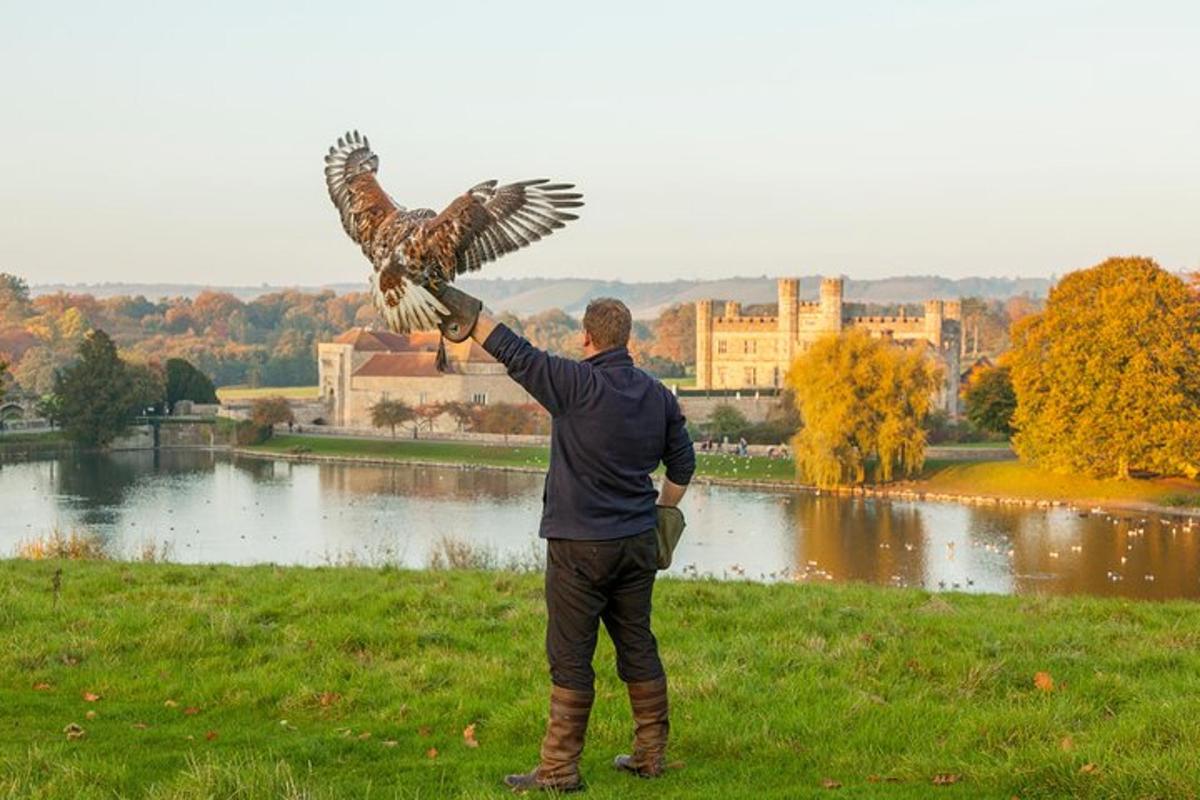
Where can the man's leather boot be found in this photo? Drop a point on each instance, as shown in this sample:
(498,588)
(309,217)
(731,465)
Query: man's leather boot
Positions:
(650,719)
(562,747)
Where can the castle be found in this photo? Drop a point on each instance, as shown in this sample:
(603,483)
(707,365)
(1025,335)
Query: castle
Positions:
(363,366)
(736,352)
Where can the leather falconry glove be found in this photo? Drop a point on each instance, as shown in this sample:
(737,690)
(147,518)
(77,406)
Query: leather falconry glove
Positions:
(464,313)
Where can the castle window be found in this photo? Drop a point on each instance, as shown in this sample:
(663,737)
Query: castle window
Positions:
(721,346)
(479,398)
(421,399)
(751,375)
(749,346)
(721,376)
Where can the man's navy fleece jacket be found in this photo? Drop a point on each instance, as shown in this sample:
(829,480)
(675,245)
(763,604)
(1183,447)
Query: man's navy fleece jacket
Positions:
(611,425)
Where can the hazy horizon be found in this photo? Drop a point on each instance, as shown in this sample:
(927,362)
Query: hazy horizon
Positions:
(158,143)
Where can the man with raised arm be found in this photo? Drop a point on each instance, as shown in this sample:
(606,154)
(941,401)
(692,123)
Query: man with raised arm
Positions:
(612,424)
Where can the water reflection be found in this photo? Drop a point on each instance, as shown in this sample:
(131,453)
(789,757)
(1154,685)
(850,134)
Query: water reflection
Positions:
(210,507)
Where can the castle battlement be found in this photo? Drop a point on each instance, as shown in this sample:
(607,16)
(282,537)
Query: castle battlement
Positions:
(751,352)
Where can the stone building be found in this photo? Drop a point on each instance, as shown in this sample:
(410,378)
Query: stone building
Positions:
(363,366)
(736,351)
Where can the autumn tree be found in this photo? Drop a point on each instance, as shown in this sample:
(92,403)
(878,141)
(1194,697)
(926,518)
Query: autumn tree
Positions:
(675,334)
(509,418)
(462,413)
(3,378)
(391,413)
(427,415)
(185,382)
(1107,377)
(267,412)
(96,393)
(991,401)
(862,399)
(14,300)
(35,371)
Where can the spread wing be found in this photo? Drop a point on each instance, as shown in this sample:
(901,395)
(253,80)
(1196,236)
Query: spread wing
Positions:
(350,169)
(490,221)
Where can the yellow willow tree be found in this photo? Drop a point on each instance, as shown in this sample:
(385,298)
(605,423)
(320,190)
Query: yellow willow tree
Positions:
(1107,377)
(861,399)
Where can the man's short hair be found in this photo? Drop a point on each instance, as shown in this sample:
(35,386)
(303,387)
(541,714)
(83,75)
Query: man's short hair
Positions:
(608,321)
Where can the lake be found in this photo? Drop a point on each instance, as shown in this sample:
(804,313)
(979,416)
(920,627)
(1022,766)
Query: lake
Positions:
(210,507)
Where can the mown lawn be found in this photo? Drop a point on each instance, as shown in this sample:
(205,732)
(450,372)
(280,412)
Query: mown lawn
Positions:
(709,465)
(228,394)
(1015,479)
(993,478)
(235,682)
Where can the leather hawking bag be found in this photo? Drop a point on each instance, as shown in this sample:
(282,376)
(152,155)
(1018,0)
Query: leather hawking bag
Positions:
(668,530)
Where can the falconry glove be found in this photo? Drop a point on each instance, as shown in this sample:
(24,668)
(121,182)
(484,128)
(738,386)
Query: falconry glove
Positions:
(462,313)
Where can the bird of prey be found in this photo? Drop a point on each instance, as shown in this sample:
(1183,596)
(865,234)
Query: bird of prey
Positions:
(416,252)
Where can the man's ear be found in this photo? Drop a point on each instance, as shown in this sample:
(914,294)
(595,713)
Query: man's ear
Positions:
(587,338)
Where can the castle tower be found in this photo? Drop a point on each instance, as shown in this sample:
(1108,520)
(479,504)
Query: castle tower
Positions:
(934,313)
(733,309)
(831,305)
(789,323)
(704,346)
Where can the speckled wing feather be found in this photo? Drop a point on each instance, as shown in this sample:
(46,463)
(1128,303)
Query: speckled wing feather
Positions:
(379,226)
(490,221)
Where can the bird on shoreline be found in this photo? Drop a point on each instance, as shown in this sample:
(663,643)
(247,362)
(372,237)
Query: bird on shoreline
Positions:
(415,252)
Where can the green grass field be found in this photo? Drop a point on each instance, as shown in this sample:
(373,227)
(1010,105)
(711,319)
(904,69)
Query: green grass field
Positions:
(993,478)
(708,465)
(1015,479)
(228,394)
(228,682)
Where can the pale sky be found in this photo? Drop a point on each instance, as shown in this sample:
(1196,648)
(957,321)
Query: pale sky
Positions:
(164,141)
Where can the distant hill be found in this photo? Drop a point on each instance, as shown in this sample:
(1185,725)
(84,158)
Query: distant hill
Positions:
(524,296)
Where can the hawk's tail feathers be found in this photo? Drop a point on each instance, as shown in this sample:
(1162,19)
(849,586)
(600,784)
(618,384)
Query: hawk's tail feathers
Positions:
(411,307)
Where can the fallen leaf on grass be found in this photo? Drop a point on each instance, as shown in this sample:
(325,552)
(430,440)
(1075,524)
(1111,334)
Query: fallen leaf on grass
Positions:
(1043,681)
(73,732)
(41,687)
(141,726)
(1067,744)
(329,698)
(210,736)
(90,714)
(1088,769)
(830,783)
(362,737)
(945,779)
(390,743)
(469,736)
(424,731)
(191,711)
(431,752)
(882,779)
(91,697)
(170,703)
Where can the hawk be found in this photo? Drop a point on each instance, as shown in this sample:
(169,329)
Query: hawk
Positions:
(416,252)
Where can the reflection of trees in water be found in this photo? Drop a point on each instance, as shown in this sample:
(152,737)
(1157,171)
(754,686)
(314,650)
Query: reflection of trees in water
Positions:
(99,483)
(1084,551)
(411,480)
(260,470)
(856,539)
